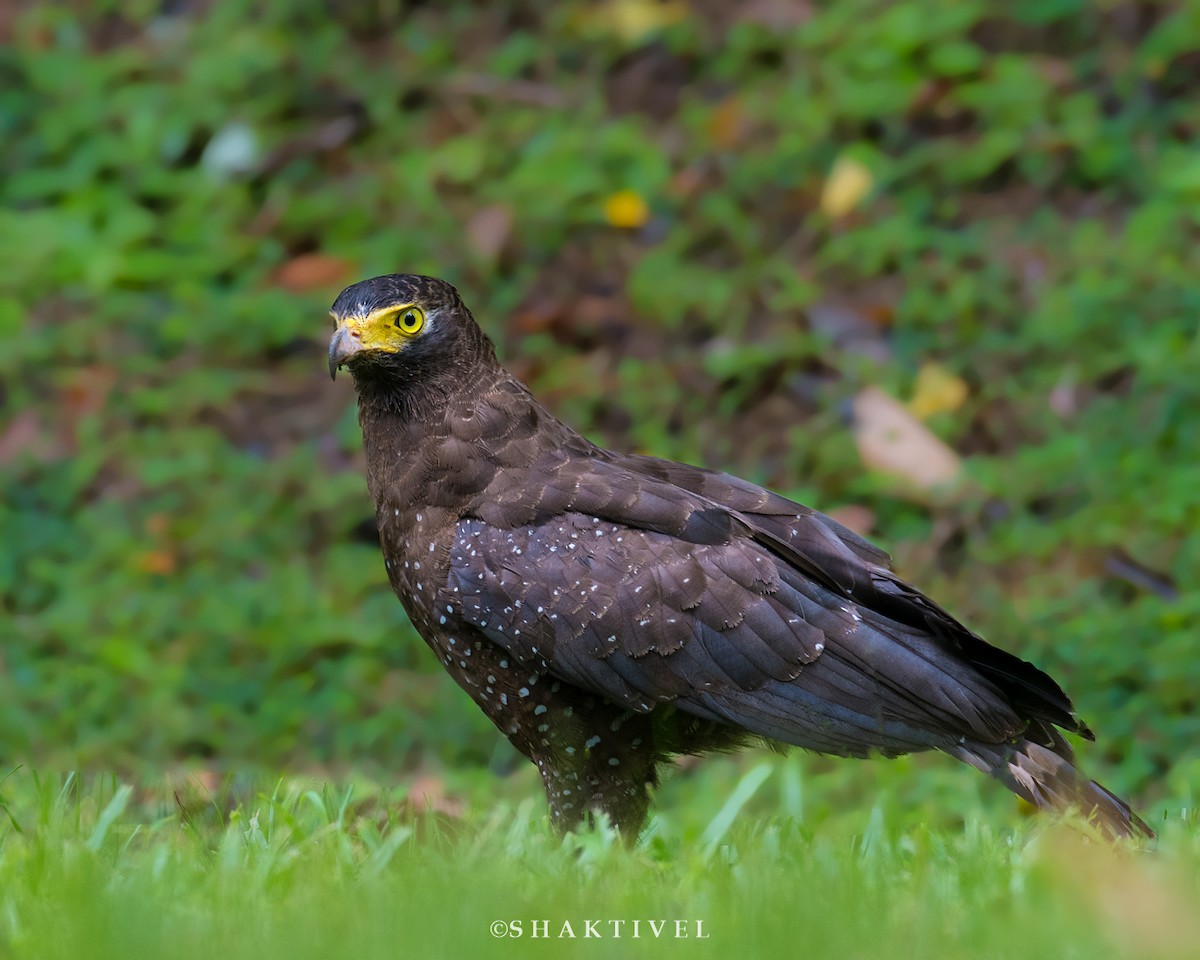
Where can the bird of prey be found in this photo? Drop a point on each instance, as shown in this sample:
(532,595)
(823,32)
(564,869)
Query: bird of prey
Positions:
(609,611)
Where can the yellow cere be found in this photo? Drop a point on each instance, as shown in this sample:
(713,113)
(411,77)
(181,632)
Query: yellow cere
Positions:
(387,329)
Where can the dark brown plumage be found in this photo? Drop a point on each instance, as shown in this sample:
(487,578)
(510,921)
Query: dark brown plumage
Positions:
(608,611)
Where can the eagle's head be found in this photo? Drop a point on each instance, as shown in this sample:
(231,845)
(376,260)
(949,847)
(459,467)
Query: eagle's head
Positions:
(399,326)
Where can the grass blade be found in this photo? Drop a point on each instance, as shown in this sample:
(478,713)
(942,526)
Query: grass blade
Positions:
(116,806)
(747,787)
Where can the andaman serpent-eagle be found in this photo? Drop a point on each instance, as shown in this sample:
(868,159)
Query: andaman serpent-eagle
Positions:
(608,611)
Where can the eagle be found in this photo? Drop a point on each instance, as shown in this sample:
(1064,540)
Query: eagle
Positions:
(611,611)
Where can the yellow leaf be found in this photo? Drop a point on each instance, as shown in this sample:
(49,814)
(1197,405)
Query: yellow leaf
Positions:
(626,209)
(632,20)
(848,183)
(937,391)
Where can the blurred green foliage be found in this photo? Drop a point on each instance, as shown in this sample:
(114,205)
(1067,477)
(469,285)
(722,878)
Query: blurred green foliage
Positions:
(187,567)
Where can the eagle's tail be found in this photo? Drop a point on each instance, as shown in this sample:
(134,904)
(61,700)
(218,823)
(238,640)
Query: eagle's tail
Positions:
(1045,775)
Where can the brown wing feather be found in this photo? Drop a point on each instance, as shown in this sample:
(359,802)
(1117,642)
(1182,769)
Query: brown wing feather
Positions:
(727,631)
(833,554)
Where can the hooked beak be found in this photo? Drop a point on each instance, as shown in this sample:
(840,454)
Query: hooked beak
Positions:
(346,343)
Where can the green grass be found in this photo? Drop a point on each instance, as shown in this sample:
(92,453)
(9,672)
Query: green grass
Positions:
(292,868)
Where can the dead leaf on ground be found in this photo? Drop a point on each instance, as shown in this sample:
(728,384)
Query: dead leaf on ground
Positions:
(727,124)
(313,271)
(848,184)
(632,20)
(858,518)
(882,315)
(157,562)
(937,390)
(893,441)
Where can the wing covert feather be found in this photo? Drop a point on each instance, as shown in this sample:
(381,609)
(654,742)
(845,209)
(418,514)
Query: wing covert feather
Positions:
(720,630)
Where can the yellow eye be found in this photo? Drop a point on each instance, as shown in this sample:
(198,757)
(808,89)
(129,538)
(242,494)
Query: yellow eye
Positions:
(410,320)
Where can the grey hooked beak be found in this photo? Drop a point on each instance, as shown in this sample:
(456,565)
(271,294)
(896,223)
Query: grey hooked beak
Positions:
(342,347)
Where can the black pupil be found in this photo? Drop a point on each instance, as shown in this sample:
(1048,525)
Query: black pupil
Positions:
(409,319)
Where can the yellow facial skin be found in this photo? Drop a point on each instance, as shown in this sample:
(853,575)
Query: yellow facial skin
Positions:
(386,330)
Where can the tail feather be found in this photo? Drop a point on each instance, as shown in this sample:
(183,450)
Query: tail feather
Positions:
(1044,775)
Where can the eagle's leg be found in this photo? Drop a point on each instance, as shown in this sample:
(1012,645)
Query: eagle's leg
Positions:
(593,755)
(603,763)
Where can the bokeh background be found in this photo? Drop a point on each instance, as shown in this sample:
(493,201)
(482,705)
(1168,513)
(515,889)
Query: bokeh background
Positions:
(929,265)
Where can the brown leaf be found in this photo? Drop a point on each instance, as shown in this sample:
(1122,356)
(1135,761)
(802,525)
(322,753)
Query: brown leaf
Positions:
(313,271)
(87,390)
(538,316)
(858,518)
(882,315)
(893,441)
(489,229)
(727,124)
(159,562)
